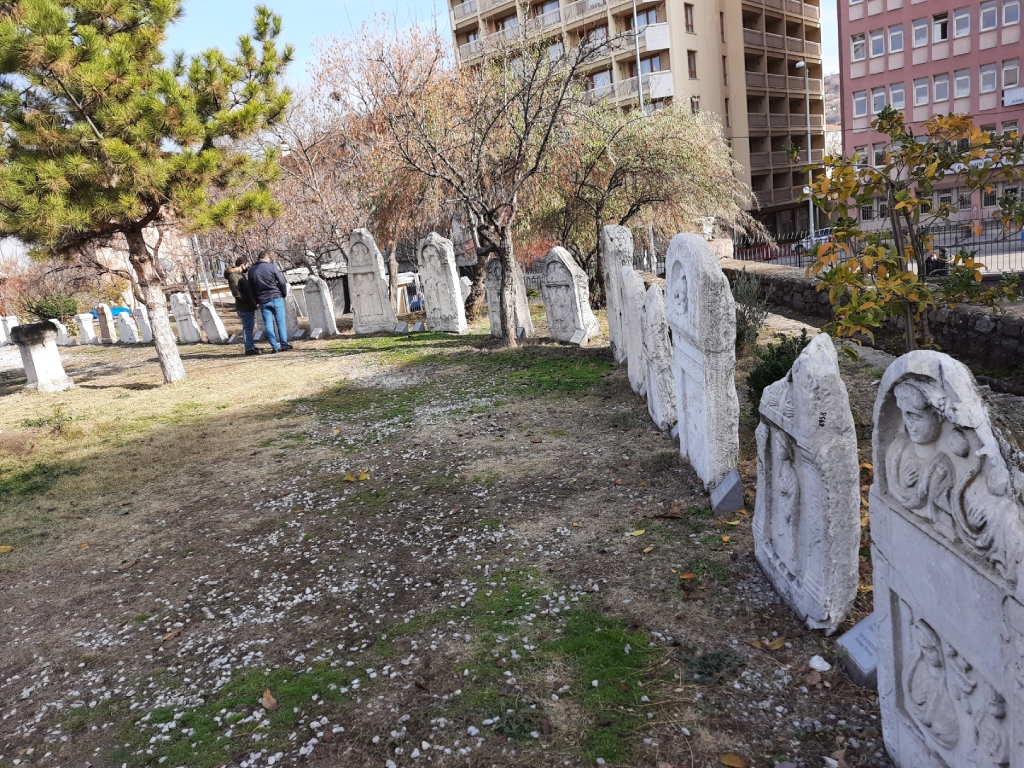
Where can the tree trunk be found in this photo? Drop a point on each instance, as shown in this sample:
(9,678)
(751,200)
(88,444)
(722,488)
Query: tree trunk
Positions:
(507,255)
(477,291)
(393,274)
(149,284)
(598,297)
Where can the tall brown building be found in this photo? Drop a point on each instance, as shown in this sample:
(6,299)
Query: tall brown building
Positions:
(736,58)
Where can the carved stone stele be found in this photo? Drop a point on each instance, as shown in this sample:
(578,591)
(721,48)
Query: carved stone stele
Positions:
(947,542)
(108,328)
(520,302)
(442,292)
(37,343)
(631,303)
(807,514)
(126,331)
(616,253)
(368,288)
(567,297)
(86,329)
(319,306)
(661,387)
(212,324)
(185,319)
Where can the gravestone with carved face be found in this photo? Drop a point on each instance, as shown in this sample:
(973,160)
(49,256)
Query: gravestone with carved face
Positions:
(947,530)
(567,298)
(807,513)
(442,294)
(368,287)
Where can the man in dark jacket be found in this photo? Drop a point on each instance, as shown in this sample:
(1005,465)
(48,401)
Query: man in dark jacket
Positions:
(267,289)
(244,305)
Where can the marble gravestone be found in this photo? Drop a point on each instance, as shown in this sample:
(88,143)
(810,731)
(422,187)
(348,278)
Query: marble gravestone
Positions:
(320,306)
(368,286)
(465,286)
(126,331)
(142,319)
(338,295)
(616,253)
(807,514)
(188,328)
(108,328)
(62,333)
(37,343)
(86,329)
(702,314)
(442,295)
(947,531)
(566,294)
(520,303)
(657,342)
(212,324)
(631,336)
(7,324)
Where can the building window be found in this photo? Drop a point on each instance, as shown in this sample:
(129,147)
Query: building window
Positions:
(691,63)
(643,18)
(857,47)
(896,38)
(1011,74)
(920,33)
(647,65)
(962,83)
(897,96)
(546,7)
(688,15)
(878,43)
(940,27)
(877,100)
(597,34)
(1009,126)
(1011,12)
(859,154)
(725,71)
(989,78)
(941,83)
(556,49)
(963,198)
(860,103)
(961,22)
(921,91)
(867,212)
(721,25)
(728,114)
(1013,193)
(509,22)
(600,79)
(990,198)
(695,104)
(989,15)
(878,150)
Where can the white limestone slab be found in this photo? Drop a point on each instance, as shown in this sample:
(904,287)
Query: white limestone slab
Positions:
(702,315)
(320,306)
(212,324)
(37,343)
(446,309)
(141,314)
(185,319)
(316,333)
(657,344)
(62,332)
(861,658)
(566,293)
(291,311)
(520,302)
(465,286)
(807,513)
(108,328)
(371,304)
(8,324)
(616,253)
(338,295)
(86,329)
(126,331)
(631,339)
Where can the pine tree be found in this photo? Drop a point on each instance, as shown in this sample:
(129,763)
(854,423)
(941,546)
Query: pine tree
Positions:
(102,137)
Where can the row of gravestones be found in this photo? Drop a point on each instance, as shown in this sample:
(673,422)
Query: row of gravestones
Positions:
(947,505)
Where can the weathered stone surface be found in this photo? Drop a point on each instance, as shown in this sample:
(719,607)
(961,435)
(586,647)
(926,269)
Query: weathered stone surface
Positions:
(126,331)
(108,328)
(142,320)
(567,297)
(465,286)
(212,324)
(807,514)
(338,295)
(62,333)
(861,646)
(616,253)
(320,306)
(86,329)
(702,314)
(291,311)
(8,324)
(631,339)
(37,343)
(521,305)
(446,309)
(367,278)
(188,328)
(316,333)
(947,543)
(661,387)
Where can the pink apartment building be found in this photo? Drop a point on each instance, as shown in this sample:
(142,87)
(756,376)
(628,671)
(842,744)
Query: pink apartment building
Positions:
(930,57)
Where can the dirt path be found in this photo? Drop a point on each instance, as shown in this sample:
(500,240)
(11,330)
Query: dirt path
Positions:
(424,549)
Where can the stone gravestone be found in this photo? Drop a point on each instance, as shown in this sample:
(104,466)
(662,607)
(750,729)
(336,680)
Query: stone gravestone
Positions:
(701,311)
(631,334)
(62,333)
(520,302)
(108,329)
(566,293)
(657,342)
(188,328)
(861,646)
(616,253)
(338,295)
(368,287)
(466,287)
(8,324)
(37,343)
(126,331)
(5,338)
(212,324)
(142,319)
(442,295)
(86,329)
(291,312)
(807,514)
(947,544)
(320,306)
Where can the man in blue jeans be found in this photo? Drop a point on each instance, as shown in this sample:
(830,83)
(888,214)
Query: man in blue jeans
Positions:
(244,305)
(267,288)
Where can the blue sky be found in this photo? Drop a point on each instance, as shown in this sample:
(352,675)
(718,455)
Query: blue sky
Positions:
(218,23)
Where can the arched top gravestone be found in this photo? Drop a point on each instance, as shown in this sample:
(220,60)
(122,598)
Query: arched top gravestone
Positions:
(446,310)
(947,545)
(371,302)
(566,296)
(320,306)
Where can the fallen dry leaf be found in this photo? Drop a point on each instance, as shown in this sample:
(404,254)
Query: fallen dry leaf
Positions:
(349,477)
(536,439)
(733,760)
(363,475)
(865,588)
(688,576)
(649,549)
(545,725)
(84,545)
(730,522)
(268,701)
(776,644)
(5,549)
(171,635)
(813,678)
(639,532)
(726,538)
(673,514)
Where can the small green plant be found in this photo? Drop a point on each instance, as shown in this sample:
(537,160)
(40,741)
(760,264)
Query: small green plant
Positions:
(774,362)
(963,284)
(62,308)
(532,293)
(751,310)
(58,422)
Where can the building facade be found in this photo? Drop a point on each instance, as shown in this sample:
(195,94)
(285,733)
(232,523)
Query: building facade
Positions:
(736,58)
(925,59)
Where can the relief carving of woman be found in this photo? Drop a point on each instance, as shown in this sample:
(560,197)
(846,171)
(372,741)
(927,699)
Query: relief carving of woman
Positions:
(928,697)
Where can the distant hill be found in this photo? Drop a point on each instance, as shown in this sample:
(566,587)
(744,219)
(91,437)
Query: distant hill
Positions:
(831,84)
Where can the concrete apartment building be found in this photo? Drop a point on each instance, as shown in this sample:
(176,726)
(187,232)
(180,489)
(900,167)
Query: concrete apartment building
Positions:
(736,58)
(929,58)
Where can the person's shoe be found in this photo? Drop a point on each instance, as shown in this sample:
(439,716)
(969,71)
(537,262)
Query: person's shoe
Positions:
(287,348)
(253,351)
(274,351)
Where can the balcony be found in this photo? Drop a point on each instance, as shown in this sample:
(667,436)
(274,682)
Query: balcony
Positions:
(753,37)
(652,37)
(470,49)
(777,82)
(799,120)
(540,23)
(755,79)
(795,44)
(486,5)
(760,160)
(790,6)
(811,11)
(768,197)
(581,9)
(757,120)
(656,85)
(797,84)
(502,35)
(775,41)
(465,9)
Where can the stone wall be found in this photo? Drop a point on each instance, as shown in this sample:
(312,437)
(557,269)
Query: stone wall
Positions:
(963,331)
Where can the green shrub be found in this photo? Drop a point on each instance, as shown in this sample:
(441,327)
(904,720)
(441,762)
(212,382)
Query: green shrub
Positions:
(774,362)
(62,308)
(751,310)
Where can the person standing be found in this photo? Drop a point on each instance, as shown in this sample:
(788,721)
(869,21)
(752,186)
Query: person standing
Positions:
(267,288)
(244,305)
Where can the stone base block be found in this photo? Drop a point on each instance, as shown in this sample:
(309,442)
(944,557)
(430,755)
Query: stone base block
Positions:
(861,658)
(727,496)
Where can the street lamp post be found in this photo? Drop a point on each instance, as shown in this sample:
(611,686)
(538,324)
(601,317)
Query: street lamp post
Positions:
(807,101)
(639,74)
